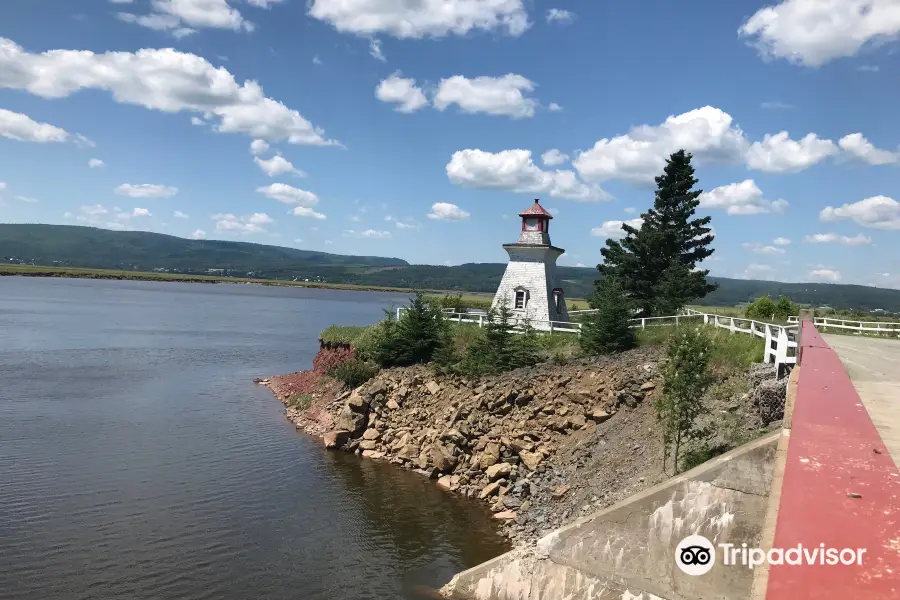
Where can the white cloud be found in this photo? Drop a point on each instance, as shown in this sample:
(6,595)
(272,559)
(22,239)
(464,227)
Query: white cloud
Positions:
(277,165)
(197,121)
(613,229)
(762,248)
(267,4)
(558,15)
(258,147)
(121,1)
(27,199)
(95,163)
(401,91)
(630,210)
(164,80)
(244,225)
(744,198)
(355,218)
(141,212)
(776,105)
(181,215)
(641,154)
(780,241)
(857,145)
(491,95)
(199,234)
(92,210)
(514,171)
(814,32)
(868,68)
(554,107)
(755,271)
(877,212)
(316,60)
(423,18)
(833,238)
(402,225)
(444,211)
(368,233)
(305,211)
(554,157)
(375,50)
(289,194)
(780,154)
(22,128)
(146,190)
(832,275)
(183,17)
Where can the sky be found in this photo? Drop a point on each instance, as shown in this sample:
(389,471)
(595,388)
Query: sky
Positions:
(419,129)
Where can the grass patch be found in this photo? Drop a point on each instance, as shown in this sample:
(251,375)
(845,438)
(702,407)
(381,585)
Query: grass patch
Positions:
(353,373)
(730,351)
(342,334)
(300,401)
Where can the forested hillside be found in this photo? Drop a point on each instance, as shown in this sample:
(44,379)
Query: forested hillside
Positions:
(141,251)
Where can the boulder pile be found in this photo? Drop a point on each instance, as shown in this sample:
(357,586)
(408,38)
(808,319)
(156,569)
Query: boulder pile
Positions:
(489,438)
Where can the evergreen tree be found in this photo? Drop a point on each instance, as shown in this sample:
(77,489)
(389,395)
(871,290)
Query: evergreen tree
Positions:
(414,337)
(660,257)
(608,329)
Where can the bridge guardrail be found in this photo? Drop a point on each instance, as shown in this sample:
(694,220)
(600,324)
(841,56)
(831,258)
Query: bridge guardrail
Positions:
(877,327)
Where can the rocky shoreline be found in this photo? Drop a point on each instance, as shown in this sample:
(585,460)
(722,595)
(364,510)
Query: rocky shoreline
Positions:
(541,445)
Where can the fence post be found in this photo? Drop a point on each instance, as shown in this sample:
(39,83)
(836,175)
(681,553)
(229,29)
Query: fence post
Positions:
(706,319)
(781,350)
(551,327)
(643,323)
(459,317)
(731,325)
(676,320)
(399,308)
(481,320)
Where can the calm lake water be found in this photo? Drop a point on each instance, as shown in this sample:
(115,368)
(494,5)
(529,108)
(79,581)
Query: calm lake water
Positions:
(138,459)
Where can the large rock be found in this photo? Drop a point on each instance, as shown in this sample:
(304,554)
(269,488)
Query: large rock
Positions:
(442,458)
(498,471)
(444,482)
(489,456)
(393,404)
(357,402)
(371,434)
(489,490)
(599,415)
(377,387)
(368,444)
(336,438)
(531,459)
(351,421)
(433,387)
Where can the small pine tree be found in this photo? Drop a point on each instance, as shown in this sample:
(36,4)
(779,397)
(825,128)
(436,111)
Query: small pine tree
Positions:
(414,337)
(525,347)
(669,232)
(685,380)
(493,353)
(608,329)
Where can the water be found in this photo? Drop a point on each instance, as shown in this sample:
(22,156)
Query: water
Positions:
(138,459)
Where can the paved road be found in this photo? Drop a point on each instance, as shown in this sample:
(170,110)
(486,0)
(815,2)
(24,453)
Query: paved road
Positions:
(874,367)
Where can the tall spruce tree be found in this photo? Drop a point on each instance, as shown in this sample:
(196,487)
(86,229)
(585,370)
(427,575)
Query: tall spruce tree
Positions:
(655,263)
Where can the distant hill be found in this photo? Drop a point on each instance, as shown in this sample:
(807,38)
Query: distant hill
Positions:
(89,247)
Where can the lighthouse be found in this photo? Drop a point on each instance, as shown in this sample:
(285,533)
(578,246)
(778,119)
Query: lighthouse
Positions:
(529,286)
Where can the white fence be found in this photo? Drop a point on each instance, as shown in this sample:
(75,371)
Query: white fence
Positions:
(860,327)
(781,342)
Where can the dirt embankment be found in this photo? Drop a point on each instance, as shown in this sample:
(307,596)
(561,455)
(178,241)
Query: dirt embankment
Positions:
(541,445)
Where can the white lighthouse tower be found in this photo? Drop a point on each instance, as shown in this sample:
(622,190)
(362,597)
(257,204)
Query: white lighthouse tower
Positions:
(529,286)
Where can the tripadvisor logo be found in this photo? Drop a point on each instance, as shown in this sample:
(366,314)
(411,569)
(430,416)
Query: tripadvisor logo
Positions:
(696,555)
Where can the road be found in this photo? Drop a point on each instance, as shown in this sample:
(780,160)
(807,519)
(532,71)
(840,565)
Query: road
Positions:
(874,367)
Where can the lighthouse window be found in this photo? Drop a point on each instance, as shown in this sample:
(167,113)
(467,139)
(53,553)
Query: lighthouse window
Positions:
(521,296)
(531,225)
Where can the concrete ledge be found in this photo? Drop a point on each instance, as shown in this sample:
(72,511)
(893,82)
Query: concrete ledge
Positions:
(627,552)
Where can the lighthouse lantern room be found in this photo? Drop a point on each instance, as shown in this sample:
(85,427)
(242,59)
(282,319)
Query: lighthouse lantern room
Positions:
(530,287)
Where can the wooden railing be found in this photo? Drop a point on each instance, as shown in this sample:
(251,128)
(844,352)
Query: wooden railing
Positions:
(780,340)
(869,327)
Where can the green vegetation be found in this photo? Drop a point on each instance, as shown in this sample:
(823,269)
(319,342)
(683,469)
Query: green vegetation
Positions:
(729,352)
(413,338)
(685,380)
(133,255)
(608,330)
(300,402)
(764,309)
(353,373)
(499,349)
(656,263)
(342,334)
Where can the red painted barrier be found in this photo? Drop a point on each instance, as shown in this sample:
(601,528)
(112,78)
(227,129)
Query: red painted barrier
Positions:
(841,488)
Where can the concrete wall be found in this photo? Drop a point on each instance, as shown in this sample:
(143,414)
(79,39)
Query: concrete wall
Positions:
(627,552)
(534,269)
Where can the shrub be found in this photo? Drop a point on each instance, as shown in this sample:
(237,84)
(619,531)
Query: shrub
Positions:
(608,330)
(353,373)
(685,380)
(501,348)
(761,308)
(411,339)
(300,402)
(784,308)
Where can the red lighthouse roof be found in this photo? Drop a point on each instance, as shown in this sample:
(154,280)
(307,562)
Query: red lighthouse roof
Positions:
(536,210)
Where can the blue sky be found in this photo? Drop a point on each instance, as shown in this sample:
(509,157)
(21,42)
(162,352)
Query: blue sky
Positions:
(419,129)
